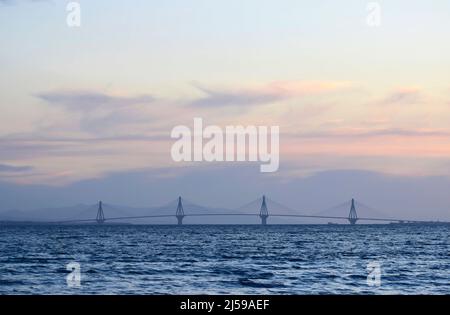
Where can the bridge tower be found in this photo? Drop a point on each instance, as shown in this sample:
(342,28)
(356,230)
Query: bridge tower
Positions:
(180,212)
(352,216)
(100,215)
(264,213)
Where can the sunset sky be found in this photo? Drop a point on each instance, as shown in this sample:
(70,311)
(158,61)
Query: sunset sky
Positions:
(82,103)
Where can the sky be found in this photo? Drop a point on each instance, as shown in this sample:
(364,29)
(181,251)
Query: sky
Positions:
(84,103)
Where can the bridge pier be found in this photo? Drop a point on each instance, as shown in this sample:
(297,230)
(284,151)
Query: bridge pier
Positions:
(353,216)
(264,220)
(352,221)
(180,212)
(264,212)
(100,215)
(180,219)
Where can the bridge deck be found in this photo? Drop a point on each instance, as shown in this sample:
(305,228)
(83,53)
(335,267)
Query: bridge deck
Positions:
(243,214)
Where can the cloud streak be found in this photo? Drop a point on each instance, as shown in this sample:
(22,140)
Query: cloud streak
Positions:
(5,168)
(265,94)
(90,100)
(387,132)
(98,112)
(404,96)
(15,2)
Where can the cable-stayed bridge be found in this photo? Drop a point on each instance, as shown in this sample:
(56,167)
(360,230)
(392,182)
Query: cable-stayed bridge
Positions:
(262,208)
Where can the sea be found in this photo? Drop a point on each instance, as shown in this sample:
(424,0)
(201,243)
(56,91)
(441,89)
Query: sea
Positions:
(224,259)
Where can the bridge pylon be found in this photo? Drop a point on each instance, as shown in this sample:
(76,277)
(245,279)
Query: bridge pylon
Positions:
(100,215)
(180,212)
(353,216)
(264,212)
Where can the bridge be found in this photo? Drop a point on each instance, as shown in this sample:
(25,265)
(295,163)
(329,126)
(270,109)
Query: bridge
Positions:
(263,214)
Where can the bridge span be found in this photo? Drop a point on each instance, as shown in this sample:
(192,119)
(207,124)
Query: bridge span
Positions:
(263,215)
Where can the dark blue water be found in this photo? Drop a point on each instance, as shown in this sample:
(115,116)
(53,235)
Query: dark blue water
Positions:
(208,259)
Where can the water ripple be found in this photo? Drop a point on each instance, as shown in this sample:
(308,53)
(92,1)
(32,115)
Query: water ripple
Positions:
(209,259)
